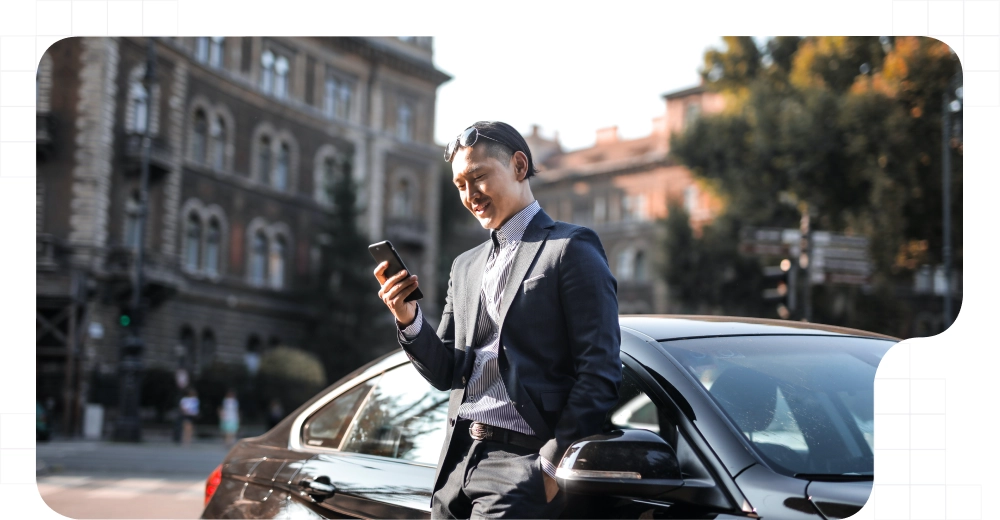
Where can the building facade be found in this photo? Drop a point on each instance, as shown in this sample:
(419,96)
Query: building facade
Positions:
(620,188)
(246,136)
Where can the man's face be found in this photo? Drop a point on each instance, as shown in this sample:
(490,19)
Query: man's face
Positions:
(489,188)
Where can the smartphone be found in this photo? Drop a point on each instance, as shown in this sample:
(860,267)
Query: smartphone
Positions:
(384,252)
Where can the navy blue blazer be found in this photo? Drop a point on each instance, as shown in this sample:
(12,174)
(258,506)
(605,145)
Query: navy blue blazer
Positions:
(559,333)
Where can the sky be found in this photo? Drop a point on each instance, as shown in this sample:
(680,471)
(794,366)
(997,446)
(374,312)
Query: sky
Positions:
(565,83)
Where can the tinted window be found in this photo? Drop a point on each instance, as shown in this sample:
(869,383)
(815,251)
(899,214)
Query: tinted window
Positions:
(327,427)
(404,418)
(805,403)
(636,411)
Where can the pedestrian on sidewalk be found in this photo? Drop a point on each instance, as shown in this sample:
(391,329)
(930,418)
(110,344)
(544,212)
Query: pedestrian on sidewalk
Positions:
(189,411)
(229,417)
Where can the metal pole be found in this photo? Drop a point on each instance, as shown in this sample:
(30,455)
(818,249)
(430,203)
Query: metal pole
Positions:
(946,198)
(128,427)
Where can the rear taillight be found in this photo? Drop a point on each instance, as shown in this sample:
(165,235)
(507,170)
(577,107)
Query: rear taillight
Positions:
(214,479)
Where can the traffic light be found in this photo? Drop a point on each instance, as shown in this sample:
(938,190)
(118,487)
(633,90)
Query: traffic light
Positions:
(783,291)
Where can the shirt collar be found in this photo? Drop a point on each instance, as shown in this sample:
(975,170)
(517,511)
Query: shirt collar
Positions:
(512,230)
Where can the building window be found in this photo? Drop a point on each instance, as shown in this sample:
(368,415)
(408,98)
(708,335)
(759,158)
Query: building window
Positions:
(267,71)
(633,207)
(208,349)
(624,267)
(639,266)
(691,113)
(276,269)
(336,97)
(402,200)
(201,49)
(404,121)
(186,352)
(132,221)
(213,244)
(215,51)
(192,242)
(139,99)
(329,180)
(218,143)
(600,209)
(258,259)
(264,162)
(281,77)
(199,144)
(280,177)
(252,356)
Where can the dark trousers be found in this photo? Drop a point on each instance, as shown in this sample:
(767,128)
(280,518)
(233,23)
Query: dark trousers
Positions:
(488,479)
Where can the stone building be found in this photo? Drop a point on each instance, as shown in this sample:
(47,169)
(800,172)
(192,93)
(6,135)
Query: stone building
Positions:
(619,188)
(247,132)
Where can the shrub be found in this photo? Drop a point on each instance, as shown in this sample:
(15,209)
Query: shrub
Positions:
(292,375)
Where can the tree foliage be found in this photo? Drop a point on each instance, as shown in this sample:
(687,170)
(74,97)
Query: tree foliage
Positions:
(346,333)
(849,127)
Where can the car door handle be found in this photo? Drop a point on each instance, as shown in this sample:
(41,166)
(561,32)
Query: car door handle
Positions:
(316,488)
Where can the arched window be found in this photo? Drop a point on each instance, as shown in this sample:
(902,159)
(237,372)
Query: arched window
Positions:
(199,144)
(267,71)
(252,356)
(258,258)
(639,268)
(276,267)
(625,259)
(404,121)
(213,240)
(186,352)
(281,77)
(218,143)
(280,180)
(201,49)
(264,162)
(208,348)
(329,180)
(402,200)
(132,220)
(139,99)
(192,242)
(215,54)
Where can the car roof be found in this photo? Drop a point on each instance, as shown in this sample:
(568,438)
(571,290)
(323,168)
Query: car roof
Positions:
(672,327)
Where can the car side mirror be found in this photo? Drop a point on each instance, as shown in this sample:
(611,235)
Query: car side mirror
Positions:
(634,463)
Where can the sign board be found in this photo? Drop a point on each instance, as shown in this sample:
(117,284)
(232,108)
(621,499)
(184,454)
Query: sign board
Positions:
(835,259)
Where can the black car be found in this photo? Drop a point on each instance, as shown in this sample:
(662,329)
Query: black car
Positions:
(718,418)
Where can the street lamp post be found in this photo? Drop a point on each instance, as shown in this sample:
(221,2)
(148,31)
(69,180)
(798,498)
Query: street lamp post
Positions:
(127,427)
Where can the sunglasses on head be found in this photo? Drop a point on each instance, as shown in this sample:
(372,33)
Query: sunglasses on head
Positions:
(467,138)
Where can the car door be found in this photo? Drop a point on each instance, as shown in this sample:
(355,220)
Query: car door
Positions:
(381,463)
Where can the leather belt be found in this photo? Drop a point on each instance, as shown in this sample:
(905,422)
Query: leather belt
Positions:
(486,432)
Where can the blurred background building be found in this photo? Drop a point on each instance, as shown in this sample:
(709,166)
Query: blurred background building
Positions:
(620,188)
(247,136)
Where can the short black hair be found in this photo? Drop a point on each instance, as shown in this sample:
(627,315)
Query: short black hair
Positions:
(501,141)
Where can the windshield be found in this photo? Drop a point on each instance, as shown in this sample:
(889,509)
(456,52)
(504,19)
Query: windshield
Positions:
(805,403)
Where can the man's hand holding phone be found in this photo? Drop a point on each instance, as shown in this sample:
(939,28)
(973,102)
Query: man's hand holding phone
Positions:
(394,291)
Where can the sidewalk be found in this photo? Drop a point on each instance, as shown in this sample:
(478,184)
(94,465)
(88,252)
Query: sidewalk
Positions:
(152,457)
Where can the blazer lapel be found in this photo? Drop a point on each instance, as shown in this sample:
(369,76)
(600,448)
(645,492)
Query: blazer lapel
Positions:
(531,243)
(473,286)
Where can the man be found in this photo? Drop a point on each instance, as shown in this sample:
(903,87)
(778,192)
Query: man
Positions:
(528,342)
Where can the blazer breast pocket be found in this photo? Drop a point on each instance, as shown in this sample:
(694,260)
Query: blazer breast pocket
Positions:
(532,283)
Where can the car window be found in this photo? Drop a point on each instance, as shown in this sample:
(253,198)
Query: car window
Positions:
(636,411)
(805,403)
(326,427)
(404,418)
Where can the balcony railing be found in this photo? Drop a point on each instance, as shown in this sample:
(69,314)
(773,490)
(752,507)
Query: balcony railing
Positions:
(159,155)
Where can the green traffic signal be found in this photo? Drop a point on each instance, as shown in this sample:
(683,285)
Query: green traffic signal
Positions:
(124,320)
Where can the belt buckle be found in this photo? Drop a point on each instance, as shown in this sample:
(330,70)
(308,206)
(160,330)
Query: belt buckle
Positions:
(480,431)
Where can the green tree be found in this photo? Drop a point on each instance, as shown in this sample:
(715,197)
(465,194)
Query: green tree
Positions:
(346,334)
(849,127)
(289,374)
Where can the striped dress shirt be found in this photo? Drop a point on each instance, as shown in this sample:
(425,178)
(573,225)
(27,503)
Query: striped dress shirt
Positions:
(486,399)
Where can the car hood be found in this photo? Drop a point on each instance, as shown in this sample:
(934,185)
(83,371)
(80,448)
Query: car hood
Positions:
(839,499)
